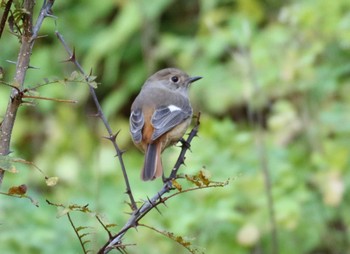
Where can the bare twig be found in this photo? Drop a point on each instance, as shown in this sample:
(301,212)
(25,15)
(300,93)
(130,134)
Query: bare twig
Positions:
(33,201)
(48,99)
(112,136)
(180,240)
(213,185)
(5,15)
(28,37)
(76,232)
(104,226)
(45,12)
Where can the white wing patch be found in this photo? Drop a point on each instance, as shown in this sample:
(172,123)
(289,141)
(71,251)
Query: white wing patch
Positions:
(173,108)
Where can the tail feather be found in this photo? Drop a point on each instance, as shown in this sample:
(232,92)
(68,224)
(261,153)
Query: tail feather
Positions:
(152,167)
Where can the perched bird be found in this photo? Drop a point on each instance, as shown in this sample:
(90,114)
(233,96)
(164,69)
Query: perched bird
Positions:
(160,116)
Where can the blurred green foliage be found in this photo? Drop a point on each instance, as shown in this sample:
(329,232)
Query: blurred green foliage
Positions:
(287,61)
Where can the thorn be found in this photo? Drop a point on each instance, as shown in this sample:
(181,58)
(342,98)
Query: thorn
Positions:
(41,36)
(157,210)
(185,144)
(11,62)
(161,200)
(182,160)
(32,67)
(95,115)
(154,206)
(50,16)
(117,155)
(113,137)
(188,148)
(72,57)
(149,201)
(106,137)
(117,133)
(15,63)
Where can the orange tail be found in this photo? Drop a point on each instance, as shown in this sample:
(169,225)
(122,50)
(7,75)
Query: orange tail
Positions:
(152,167)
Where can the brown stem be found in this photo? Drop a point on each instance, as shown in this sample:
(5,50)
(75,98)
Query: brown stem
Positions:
(29,34)
(4,16)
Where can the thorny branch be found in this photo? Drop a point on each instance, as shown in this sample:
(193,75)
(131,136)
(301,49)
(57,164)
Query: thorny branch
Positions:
(153,202)
(112,137)
(28,37)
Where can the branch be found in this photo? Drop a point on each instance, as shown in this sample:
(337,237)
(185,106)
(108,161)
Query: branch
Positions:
(82,244)
(153,202)
(27,42)
(4,16)
(112,137)
(45,12)
(179,239)
(185,147)
(48,99)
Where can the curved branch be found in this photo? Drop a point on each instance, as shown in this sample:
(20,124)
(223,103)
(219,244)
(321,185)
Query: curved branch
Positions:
(112,136)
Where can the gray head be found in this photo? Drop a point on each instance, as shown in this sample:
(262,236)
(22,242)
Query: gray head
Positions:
(171,78)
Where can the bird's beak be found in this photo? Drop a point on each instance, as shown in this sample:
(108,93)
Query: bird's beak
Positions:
(193,79)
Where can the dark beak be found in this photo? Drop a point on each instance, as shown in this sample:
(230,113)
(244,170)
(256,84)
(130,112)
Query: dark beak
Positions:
(193,79)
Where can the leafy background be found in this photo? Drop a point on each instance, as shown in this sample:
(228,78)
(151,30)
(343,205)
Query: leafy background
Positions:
(285,62)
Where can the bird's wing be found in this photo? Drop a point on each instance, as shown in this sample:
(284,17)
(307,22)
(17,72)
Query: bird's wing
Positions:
(166,118)
(136,124)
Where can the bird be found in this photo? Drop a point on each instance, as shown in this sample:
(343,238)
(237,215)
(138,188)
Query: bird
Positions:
(160,116)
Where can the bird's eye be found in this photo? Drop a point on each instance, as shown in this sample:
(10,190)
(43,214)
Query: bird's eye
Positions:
(175,79)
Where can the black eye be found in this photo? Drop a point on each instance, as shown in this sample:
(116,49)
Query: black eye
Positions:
(174,79)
